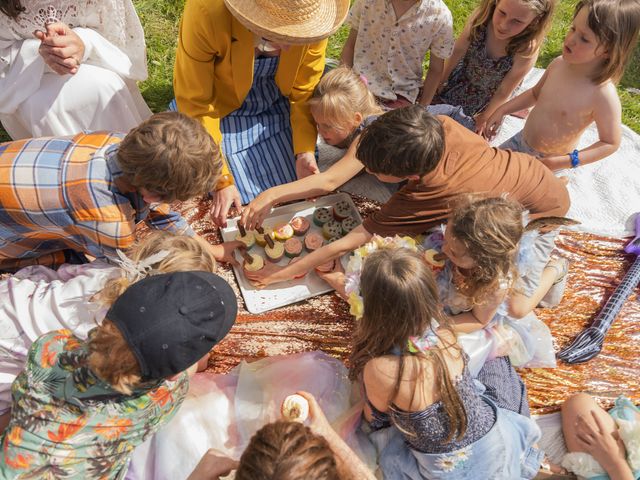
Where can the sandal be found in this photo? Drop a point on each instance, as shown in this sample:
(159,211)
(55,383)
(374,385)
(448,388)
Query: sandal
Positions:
(555,293)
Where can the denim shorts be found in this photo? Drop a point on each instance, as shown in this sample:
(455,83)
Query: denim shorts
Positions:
(517,144)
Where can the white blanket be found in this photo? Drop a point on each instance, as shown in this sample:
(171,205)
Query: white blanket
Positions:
(604,195)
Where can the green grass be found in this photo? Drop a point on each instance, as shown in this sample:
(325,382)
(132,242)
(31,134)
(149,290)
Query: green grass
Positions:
(160,21)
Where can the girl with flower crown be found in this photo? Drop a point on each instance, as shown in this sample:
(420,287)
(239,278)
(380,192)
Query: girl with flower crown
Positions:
(427,416)
(37,300)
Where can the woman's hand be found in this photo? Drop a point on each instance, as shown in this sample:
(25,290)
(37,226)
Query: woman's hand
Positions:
(254,214)
(306,165)
(267,275)
(61,48)
(212,466)
(223,199)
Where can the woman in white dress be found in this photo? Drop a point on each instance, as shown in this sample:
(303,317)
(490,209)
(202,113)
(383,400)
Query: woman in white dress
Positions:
(70,65)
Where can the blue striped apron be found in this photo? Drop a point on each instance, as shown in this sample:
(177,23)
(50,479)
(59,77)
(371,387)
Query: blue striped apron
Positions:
(256,138)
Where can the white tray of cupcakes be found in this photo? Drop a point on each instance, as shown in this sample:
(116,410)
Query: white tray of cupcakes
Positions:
(287,234)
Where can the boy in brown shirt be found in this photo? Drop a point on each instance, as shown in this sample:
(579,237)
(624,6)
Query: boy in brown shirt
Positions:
(440,160)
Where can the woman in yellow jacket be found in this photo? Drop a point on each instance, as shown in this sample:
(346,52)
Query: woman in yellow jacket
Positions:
(245,69)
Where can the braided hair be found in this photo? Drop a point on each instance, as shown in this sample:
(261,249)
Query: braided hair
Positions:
(287,451)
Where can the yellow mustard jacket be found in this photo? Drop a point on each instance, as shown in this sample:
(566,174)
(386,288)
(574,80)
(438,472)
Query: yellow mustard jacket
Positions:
(214,71)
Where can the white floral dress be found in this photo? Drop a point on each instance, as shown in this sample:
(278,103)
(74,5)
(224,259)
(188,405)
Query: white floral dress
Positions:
(102,95)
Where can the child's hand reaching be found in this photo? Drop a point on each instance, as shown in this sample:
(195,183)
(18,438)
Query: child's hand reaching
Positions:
(266,275)
(481,122)
(224,251)
(335,278)
(254,214)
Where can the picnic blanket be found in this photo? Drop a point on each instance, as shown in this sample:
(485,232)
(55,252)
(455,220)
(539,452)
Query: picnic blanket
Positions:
(324,323)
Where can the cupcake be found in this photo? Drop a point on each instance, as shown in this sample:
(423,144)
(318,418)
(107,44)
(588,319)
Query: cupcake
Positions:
(276,252)
(326,267)
(292,247)
(321,216)
(313,241)
(331,229)
(348,224)
(300,225)
(260,234)
(256,263)
(248,239)
(283,232)
(341,210)
(295,408)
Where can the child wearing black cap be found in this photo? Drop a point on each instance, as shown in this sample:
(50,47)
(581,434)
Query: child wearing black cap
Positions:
(80,408)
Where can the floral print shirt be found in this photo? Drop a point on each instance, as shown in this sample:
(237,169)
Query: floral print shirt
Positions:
(389,51)
(67,423)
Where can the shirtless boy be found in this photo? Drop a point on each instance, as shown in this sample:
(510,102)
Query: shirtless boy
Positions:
(578,88)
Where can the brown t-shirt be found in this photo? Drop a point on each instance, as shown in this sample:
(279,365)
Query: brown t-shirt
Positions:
(469,165)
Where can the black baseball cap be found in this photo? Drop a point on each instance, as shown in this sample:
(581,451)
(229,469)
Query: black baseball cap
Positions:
(172,320)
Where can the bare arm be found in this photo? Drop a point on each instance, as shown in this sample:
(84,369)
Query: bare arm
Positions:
(272,273)
(521,66)
(432,80)
(315,185)
(349,465)
(347,51)
(608,117)
(524,100)
(479,316)
(459,50)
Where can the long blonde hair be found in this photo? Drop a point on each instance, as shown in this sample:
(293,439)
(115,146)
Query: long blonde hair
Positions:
(110,357)
(526,42)
(341,94)
(184,254)
(400,301)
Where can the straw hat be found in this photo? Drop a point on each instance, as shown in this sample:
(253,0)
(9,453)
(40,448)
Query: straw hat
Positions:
(295,22)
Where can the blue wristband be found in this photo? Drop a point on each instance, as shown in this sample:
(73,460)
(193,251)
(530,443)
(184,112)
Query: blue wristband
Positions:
(575,160)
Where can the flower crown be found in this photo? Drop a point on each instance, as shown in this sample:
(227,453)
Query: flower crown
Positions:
(354,267)
(352,284)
